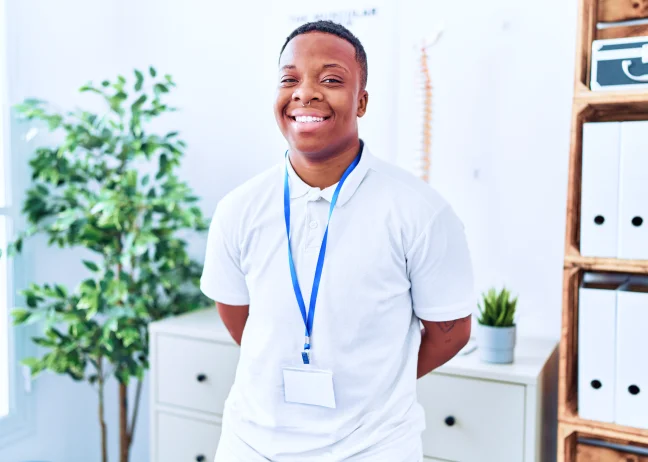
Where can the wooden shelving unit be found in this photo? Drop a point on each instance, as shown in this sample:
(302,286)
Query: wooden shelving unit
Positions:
(589,106)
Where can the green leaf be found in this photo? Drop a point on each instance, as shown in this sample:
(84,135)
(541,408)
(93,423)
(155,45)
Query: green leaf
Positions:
(140,80)
(91,265)
(87,88)
(20,316)
(30,362)
(160,88)
(105,83)
(36,316)
(111,325)
(152,71)
(138,103)
(53,122)
(116,100)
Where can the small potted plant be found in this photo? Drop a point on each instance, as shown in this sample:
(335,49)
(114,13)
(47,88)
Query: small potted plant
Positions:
(496,334)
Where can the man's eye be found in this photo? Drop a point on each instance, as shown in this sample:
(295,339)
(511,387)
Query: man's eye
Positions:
(288,80)
(332,81)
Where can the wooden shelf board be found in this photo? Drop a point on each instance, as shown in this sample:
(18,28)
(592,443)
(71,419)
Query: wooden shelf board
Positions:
(604,430)
(606,264)
(584,95)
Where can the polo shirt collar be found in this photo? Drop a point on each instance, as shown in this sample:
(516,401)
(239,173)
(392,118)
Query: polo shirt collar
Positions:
(298,188)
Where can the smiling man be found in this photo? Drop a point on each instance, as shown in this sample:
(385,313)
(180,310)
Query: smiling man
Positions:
(323,269)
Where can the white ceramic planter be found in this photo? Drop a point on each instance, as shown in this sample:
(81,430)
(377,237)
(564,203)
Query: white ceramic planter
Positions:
(496,344)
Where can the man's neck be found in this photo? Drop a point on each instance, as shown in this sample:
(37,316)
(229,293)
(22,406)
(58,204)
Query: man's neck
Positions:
(325,170)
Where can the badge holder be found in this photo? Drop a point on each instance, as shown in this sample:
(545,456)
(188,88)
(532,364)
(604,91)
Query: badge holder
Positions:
(305,384)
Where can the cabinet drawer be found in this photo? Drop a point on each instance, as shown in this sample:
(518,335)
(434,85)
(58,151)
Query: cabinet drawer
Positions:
(471,420)
(194,374)
(184,439)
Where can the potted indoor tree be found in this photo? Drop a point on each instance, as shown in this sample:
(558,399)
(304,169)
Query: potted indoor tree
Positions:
(496,330)
(110,187)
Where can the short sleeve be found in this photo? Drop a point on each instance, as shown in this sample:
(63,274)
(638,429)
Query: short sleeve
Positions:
(440,270)
(222,279)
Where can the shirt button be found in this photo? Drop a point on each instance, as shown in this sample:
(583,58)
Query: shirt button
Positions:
(313,225)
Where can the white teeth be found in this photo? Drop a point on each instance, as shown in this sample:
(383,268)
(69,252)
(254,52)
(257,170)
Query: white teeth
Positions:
(307,119)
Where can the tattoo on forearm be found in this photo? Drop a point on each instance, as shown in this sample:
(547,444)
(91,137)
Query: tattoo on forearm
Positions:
(446,326)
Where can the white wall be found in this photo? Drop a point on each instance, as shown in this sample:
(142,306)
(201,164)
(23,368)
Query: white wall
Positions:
(502,76)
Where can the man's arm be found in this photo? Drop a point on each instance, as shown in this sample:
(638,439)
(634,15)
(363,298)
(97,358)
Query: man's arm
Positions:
(440,342)
(234,318)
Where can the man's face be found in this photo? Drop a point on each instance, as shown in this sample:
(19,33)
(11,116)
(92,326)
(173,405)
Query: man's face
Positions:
(320,71)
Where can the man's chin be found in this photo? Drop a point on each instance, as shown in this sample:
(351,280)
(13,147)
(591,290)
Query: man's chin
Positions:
(308,145)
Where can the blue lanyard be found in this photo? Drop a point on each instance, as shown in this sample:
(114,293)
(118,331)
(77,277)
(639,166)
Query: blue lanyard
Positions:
(308,318)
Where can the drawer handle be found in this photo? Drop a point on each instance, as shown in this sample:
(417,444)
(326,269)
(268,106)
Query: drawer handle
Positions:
(450,421)
(633,389)
(200,458)
(201,377)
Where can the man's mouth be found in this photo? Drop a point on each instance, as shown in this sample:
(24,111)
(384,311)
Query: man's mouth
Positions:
(308,119)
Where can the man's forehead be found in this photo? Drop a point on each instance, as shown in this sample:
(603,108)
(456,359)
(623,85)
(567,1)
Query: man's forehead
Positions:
(315,46)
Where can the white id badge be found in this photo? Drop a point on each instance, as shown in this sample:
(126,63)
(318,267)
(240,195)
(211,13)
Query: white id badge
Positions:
(308,385)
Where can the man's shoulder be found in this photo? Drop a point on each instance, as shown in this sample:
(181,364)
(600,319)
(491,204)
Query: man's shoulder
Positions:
(407,190)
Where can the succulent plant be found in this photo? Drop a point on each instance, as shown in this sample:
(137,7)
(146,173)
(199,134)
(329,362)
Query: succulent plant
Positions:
(497,309)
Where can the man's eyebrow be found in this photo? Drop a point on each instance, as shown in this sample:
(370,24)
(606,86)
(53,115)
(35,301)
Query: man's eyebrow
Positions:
(289,67)
(334,65)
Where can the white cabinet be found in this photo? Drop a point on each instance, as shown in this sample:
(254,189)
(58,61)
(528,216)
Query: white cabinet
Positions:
(479,412)
(193,362)
(475,412)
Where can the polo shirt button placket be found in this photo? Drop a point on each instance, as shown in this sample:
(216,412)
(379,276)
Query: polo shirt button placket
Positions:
(314,235)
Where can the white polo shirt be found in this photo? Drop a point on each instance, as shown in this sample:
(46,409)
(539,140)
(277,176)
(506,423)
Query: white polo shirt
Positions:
(396,252)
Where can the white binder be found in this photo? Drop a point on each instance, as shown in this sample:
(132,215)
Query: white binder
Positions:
(600,189)
(596,346)
(633,191)
(632,356)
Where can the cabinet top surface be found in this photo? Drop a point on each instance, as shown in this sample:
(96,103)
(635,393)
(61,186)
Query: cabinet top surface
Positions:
(531,353)
(203,324)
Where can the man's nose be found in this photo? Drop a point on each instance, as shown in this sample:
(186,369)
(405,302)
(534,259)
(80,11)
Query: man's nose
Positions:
(306,93)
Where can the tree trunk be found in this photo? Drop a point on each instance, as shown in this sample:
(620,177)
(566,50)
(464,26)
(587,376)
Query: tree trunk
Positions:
(102,421)
(124,436)
(138,394)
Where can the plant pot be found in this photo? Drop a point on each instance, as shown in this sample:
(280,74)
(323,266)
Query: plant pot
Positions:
(496,344)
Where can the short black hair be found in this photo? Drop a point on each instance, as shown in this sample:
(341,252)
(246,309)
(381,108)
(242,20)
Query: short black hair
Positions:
(330,27)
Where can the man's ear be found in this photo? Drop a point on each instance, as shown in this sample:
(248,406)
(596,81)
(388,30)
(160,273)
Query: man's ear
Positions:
(363,100)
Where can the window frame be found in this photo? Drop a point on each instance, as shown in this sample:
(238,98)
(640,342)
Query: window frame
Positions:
(19,422)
